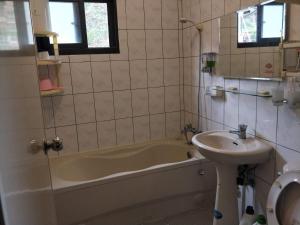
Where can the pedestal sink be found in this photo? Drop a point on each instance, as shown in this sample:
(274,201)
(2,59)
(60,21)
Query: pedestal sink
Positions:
(228,151)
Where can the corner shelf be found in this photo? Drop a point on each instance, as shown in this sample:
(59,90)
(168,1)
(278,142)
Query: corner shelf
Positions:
(51,61)
(52,92)
(48,62)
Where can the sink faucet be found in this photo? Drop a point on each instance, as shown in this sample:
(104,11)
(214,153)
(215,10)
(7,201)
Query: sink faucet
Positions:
(241,132)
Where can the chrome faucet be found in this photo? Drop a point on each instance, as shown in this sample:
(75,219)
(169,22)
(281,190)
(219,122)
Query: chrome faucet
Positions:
(189,128)
(241,132)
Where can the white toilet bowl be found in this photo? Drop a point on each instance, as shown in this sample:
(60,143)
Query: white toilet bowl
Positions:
(283,206)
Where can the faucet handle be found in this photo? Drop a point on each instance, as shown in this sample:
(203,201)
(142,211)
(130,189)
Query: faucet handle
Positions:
(57,144)
(243,127)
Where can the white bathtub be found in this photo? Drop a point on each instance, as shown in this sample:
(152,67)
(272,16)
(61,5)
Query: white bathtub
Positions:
(88,185)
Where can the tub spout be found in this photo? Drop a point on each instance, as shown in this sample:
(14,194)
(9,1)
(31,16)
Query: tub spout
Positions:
(188,128)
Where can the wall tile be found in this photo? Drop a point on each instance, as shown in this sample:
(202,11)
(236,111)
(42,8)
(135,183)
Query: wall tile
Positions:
(289,127)
(141,127)
(48,114)
(156,100)
(217,107)
(69,135)
(81,77)
(171,72)
(196,11)
(155,69)
(206,10)
(63,107)
(100,57)
(87,137)
(247,3)
(104,104)
(140,102)
(188,98)
(232,6)
(247,112)
(284,156)
(120,75)
(157,126)
(124,128)
(231,110)
(135,14)
(173,124)
(218,8)
(79,58)
(122,103)
(154,44)
(153,14)
(137,44)
(170,43)
(121,8)
(101,73)
(123,47)
(266,119)
(266,113)
(138,74)
(252,65)
(65,78)
(169,14)
(84,108)
(172,102)
(107,133)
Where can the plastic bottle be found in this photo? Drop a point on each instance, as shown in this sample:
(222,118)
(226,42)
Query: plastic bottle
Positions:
(248,218)
(260,220)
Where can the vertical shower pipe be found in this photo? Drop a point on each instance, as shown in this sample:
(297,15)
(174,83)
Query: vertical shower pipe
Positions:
(199,28)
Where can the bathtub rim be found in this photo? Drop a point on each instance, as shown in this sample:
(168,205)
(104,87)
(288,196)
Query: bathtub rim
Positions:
(60,185)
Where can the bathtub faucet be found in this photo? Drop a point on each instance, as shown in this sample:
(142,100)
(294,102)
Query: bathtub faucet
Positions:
(188,128)
(56,145)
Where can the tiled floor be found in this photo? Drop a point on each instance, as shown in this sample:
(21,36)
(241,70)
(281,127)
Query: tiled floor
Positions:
(189,218)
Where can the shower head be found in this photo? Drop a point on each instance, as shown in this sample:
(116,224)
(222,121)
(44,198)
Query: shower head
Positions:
(185,20)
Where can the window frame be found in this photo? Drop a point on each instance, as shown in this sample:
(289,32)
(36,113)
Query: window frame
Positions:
(264,42)
(82,48)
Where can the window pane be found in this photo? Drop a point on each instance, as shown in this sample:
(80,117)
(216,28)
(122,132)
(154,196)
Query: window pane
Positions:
(97,25)
(247,25)
(272,21)
(8,32)
(65,21)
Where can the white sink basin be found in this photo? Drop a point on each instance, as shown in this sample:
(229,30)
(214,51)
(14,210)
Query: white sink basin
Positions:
(228,151)
(223,147)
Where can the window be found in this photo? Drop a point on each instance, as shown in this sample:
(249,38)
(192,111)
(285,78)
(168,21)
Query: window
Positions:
(262,25)
(85,26)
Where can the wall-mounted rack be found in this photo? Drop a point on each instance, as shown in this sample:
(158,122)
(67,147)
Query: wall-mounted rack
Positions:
(53,87)
(265,94)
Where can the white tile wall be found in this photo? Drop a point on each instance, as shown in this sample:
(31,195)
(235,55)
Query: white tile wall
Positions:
(279,126)
(131,97)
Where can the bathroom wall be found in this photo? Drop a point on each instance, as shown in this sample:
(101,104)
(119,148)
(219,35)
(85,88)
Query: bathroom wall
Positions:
(25,184)
(279,126)
(124,98)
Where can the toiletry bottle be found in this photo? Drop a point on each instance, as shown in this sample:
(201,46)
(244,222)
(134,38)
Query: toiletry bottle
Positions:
(260,220)
(248,217)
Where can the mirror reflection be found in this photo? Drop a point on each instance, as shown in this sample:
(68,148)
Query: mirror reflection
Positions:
(249,41)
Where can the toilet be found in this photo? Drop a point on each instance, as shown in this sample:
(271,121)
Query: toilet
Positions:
(283,205)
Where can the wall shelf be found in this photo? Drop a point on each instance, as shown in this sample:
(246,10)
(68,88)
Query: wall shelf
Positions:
(48,62)
(252,93)
(52,92)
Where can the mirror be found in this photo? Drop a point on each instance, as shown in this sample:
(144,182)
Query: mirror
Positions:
(249,42)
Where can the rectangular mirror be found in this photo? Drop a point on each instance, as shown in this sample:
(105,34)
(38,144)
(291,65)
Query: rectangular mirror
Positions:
(249,42)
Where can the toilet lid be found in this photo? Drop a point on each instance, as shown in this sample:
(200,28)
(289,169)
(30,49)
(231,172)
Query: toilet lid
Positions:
(283,207)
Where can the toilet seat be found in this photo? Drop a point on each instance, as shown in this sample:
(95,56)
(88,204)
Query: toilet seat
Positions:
(283,206)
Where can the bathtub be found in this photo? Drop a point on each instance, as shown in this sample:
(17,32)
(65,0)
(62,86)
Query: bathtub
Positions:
(91,184)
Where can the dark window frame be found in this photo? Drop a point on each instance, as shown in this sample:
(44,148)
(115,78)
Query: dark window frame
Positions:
(264,42)
(82,48)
